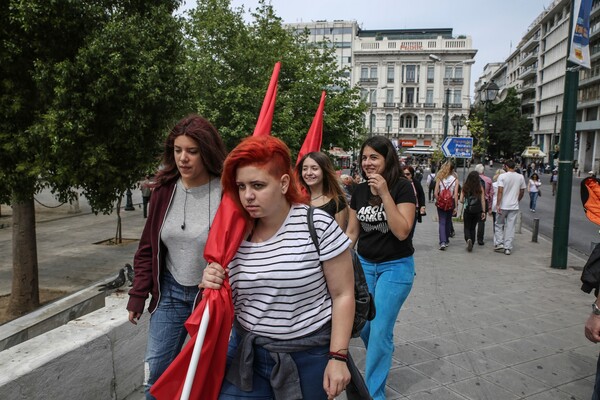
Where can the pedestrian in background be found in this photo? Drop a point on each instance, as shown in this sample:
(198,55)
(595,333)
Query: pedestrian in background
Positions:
(408,172)
(431,184)
(168,263)
(146,188)
(499,172)
(446,179)
(349,186)
(382,212)
(294,303)
(488,192)
(511,187)
(317,175)
(473,198)
(554,181)
(534,191)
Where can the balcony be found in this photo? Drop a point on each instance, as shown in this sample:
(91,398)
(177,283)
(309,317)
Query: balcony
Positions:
(526,88)
(368,80)
(529,59)
(453,105)
(453,81)
(411,105)
(528,72)
(389,105)
(531,43)
(428,105)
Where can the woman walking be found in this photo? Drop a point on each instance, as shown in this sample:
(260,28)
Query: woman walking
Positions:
(446,195)
(534,191)
(473,198)
(294,305)
(382,213)
(317,175)
(168,263)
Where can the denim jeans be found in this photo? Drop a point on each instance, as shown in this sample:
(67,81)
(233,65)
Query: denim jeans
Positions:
(390,283)
(311,369)
(166,333)
(505,228)
(445,225)
(533,200)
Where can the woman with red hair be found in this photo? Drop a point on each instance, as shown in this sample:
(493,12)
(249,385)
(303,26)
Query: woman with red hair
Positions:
(294,304)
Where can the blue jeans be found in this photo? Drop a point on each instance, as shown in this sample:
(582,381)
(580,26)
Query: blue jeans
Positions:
(445,225)
(166,333)
(596,394)
(390,283)
(533,200)
(311,369)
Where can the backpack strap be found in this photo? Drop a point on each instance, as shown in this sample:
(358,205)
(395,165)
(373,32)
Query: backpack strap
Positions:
(311,228)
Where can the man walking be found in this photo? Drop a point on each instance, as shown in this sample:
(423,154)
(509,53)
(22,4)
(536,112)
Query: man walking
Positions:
(511,187)
(488,191)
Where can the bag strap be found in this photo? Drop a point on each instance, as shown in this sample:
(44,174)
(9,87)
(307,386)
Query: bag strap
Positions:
(311,228)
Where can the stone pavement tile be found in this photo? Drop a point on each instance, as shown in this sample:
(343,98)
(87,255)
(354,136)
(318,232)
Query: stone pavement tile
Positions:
(478,389)
(407,333)
(442,371)
(544,324)
(581,389)
(574,333)
(572,316)
(408,354)
(475,362)
(519,328)
(588,352)
(570,361)
(529,350)
(506,313)
(440,347)
(501,354)
(554,394)
(406,381)
(439,327)
(548,372)
(480,337)
(548,340)
(515,382)
(441,393)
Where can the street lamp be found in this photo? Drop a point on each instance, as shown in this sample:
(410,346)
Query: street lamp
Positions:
(458,121)
(488,94)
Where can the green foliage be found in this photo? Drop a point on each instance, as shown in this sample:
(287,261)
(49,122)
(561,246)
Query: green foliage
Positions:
(89,90)
(508,131)
(231,63)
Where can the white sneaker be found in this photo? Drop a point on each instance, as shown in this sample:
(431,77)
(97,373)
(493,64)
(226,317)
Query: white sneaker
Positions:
(507,252)
(499,248)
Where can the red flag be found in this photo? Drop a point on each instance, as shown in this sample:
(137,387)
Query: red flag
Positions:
(265,119)
(314,137)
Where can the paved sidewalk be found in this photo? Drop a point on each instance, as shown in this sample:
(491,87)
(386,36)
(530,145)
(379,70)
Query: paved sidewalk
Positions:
(478,325)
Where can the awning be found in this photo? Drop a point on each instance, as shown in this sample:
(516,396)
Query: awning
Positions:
(418,150)
(533,152)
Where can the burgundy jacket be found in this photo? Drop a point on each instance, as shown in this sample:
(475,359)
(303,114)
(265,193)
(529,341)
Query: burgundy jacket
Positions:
(149,259)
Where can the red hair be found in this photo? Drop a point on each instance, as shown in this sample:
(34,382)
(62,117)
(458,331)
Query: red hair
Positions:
(261,151)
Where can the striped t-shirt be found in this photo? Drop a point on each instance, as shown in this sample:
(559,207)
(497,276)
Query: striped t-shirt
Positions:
(279,289)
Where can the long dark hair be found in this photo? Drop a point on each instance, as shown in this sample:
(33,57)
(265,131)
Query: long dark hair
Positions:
(210,145)
(472,185)
(331,185)
(391,171)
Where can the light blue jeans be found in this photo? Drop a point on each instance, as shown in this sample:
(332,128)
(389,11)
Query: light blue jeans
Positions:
(390,283)
(533,196)
(166,333)
(311,369)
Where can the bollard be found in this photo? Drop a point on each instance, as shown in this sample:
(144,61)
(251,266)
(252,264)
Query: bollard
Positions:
(536,228)
(518,222)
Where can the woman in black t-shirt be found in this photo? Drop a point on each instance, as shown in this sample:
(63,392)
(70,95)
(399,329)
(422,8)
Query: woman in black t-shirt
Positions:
(317,176)
(382,213)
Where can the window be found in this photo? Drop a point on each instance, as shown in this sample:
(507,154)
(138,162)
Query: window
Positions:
(389,96)
(402,121)
(458,72)
(364,72)
(364,95)
(388,122)
(429,96)
(430,73)
(448,72)
(372,125)
(457,96)
(428,121)
(410,95)
(373,96)
(373,74)
(410,74)
(409,121)
(390,73)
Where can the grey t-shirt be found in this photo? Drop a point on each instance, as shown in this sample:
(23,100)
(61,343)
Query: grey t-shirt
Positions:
(185,247)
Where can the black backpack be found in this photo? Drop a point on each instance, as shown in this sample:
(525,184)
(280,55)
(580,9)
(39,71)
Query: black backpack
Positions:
(364,303)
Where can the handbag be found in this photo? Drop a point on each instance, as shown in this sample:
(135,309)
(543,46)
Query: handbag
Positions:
(473,205)
(539,192)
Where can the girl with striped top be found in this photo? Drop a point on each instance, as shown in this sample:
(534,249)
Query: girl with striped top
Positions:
(293,308)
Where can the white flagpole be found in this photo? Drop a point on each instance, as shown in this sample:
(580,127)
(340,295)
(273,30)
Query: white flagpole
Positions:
(191,373)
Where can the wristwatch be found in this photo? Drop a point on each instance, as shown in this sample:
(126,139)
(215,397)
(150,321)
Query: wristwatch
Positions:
(595,309)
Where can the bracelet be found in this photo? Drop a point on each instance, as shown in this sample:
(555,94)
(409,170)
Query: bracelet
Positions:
(337,356)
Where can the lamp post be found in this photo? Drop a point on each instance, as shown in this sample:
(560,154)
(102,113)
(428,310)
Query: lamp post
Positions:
(488,93)
(458,121)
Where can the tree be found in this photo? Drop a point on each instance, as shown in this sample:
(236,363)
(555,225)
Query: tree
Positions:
(88,91)
(508,131)
(231,62)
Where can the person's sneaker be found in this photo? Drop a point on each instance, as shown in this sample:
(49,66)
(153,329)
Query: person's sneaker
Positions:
(469,245)
(480,243)
(507,252)
(443,246)
(532,211)
(499,248)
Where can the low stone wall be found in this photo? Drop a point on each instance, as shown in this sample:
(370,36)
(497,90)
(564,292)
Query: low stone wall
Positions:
(97,356)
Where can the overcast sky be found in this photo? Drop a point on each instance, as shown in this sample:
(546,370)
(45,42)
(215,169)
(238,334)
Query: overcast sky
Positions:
(492,24)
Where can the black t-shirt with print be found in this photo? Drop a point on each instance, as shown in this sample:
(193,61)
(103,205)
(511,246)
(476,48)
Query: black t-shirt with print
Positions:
(376,242)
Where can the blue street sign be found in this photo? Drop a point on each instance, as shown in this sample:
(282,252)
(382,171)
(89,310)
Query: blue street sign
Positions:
(459,147)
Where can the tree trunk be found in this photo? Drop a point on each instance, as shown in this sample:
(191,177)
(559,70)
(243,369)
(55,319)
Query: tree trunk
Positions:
(25,295)
(119,234)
